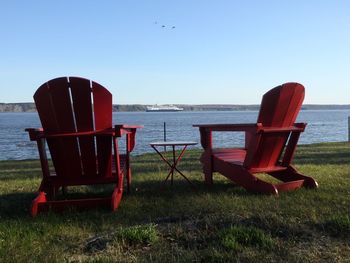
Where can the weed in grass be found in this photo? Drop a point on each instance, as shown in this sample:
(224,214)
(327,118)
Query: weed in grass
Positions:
(338,226)
(138,235)
(238,237)
(133,236)
(96,244)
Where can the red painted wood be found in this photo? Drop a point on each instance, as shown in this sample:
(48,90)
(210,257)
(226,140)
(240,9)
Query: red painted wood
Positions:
(290,149)
(82,104)
(42,98)
(206,138)
(41,198)
(206,160)
(102,99)
(274,133)
(279,108)
(76,115)
(55,111)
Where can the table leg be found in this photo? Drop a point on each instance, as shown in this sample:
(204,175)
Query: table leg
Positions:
(167,162)
(174,164)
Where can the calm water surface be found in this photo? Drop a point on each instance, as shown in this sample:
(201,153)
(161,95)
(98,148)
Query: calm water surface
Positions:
(323,126)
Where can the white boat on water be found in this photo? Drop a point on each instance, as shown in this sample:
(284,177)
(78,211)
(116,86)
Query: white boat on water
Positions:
(163,108)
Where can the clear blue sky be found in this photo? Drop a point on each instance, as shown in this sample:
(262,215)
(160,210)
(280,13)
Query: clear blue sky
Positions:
(219,51)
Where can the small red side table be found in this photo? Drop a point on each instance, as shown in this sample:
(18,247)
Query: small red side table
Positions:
(175,161)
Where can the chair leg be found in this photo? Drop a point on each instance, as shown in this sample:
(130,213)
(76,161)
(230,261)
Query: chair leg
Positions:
(116,198)
(244,178)
(41,198)
(291,174)
(49,189)
(208,176)
(206,161)
(117,194)
(252,183)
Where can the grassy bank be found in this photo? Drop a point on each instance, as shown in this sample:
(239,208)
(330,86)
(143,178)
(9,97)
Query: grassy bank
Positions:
(219,224)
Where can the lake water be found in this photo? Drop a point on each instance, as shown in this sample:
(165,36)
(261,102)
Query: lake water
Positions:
(323,126)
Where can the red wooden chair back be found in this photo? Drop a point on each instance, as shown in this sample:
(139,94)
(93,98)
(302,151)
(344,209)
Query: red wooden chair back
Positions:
(279,108)
(73,104)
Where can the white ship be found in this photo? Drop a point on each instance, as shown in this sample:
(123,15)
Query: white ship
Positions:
(164,108)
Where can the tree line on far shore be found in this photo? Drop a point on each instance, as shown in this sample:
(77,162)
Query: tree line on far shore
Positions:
(30,107)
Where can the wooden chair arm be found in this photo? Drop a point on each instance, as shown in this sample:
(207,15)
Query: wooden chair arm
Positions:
(34,133)
(207,129)
(128,126)
(297,127)
(228,127)
(122,129)
(249,128)
(118,131)
(130,131)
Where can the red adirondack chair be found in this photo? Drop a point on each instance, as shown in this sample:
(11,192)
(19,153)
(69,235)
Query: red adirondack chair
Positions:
(76,116)
(269,145)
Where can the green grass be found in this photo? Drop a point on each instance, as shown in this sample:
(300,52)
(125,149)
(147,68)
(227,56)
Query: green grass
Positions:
(238,237)
(223,223)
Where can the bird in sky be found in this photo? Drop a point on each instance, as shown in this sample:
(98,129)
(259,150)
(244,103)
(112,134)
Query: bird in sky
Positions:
(164,26)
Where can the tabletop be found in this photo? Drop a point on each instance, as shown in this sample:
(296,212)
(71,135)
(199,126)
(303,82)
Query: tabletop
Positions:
(173,143)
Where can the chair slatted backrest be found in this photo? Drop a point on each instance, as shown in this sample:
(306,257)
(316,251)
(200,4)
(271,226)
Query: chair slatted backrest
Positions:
(279,108)
(71,104)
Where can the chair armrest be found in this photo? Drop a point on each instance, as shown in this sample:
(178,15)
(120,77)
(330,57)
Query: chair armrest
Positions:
(229,127)
(130,131)
(35,133)
(249,129)
(119,130)
(128,126)
(207,129)
(122,129)
(297,127)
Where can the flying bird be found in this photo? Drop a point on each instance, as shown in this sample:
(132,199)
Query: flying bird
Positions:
(164,26)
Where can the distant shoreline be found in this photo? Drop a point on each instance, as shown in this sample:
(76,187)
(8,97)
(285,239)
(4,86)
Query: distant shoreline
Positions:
(30,107)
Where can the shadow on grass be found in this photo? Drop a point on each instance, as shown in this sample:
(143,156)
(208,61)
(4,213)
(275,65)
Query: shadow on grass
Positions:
(14,205)
(337,226)
(17,205)
(315,154)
